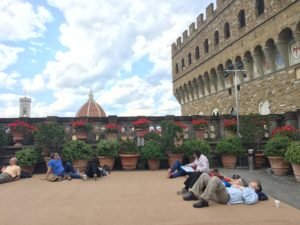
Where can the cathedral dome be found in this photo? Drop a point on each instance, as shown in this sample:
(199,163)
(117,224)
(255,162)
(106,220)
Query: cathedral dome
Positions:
(91,108)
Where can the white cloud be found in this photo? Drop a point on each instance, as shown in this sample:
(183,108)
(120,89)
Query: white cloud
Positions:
(8,81)
(8,55)
(19,20)
(35,84)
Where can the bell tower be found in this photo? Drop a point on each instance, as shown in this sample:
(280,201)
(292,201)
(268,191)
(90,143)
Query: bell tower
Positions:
(25,105)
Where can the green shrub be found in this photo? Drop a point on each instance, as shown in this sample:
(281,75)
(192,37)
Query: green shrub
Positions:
(231,145)
(108,148)
(277,146)
(3,137)
(293,153)
(50,136)
(170,132)
(28,156)
(128,147)
(77,150)
(152,150)
(192,145)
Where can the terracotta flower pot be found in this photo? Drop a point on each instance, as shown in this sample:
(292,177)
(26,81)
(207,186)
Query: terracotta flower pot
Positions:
(108,161)
(28,169)
(80,164)
(18,137)
(153,164)
(172,158)
(141,132)
(81,134)
(199,134)
(229,161)
(260,160)
(279,166)
(296,168)
(129,161)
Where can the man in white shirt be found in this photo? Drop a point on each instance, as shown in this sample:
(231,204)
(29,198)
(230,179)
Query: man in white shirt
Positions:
(200,164)
(11,172)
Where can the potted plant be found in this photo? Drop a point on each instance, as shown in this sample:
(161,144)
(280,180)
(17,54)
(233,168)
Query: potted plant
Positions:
(27,159)
(112,130)
(77,152)
(229,149)
(275,150)
(18,129)
(192,145)
(153,153)
(199,128)
(82,127)
(128,154)
(49,137)
(230,126)
(141,126)
(171,139)
(107,151)
(253,130)
(293,156)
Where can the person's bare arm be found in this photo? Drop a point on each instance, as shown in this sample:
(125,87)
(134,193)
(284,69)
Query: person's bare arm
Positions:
(48,172)
(3,169)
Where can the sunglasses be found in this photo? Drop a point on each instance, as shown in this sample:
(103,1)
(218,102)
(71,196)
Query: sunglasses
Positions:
(234,176)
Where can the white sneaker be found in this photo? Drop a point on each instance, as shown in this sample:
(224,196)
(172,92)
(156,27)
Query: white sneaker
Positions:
(84,177)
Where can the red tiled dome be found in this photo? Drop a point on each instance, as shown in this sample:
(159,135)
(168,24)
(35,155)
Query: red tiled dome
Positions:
(91,109)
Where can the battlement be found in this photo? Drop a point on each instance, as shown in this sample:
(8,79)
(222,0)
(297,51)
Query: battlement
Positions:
(210,14)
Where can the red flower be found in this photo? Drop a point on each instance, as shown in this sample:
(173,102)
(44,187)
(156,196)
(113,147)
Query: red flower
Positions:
(141,123)
(202,123)
(286,130)
(80,124)
(112,127)
(230,124)
(182,125)
(21,125)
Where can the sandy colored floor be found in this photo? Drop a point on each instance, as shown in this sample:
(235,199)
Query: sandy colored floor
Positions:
(125,198)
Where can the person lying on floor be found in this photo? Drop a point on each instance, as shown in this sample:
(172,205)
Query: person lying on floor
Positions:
(11,172)
(212,188)
(200,165)
(192,179)
(94,171)
(56,167)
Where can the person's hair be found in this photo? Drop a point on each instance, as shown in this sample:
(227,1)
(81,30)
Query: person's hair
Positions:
(259,186)
(14,159)
(198,153)
(214,170)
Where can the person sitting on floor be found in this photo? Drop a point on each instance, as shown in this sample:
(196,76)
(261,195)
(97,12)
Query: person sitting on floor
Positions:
(207,188)
(11,172)
(200,165)
(94,171)
(56,167)
(192,179)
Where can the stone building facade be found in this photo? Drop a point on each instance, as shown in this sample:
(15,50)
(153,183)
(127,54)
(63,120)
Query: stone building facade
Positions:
(261,37)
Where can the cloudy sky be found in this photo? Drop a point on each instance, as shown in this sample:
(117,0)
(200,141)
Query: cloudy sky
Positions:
(58,50)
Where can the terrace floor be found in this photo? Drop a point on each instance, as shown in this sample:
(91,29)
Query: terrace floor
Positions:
(125,198)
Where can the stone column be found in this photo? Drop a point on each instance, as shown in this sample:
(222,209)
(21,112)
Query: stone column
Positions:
(196,90)
(283,49)
(270,57)
(291,119)
(258,59)
(213,89)
(182,97)
(248,64)
(178,98)
(191,92)
(206,87)
(220,80)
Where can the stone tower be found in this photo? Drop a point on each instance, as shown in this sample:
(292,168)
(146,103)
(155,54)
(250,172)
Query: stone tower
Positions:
(25,104)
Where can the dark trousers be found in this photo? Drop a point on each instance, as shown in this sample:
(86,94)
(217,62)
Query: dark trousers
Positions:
(92,168)
(69,170)
(177,171)
(191,180)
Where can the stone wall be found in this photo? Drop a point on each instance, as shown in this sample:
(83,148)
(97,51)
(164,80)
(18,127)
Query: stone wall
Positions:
(263,48)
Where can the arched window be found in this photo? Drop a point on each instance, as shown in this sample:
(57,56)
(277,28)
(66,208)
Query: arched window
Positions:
(206,47)
(201,114)
(215,112)
(264,108)
(216,38)
(232,111)
(242,18)
(176,68)
(226,30)
(259,7)
(182,64)
(197,52)
(190,58)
